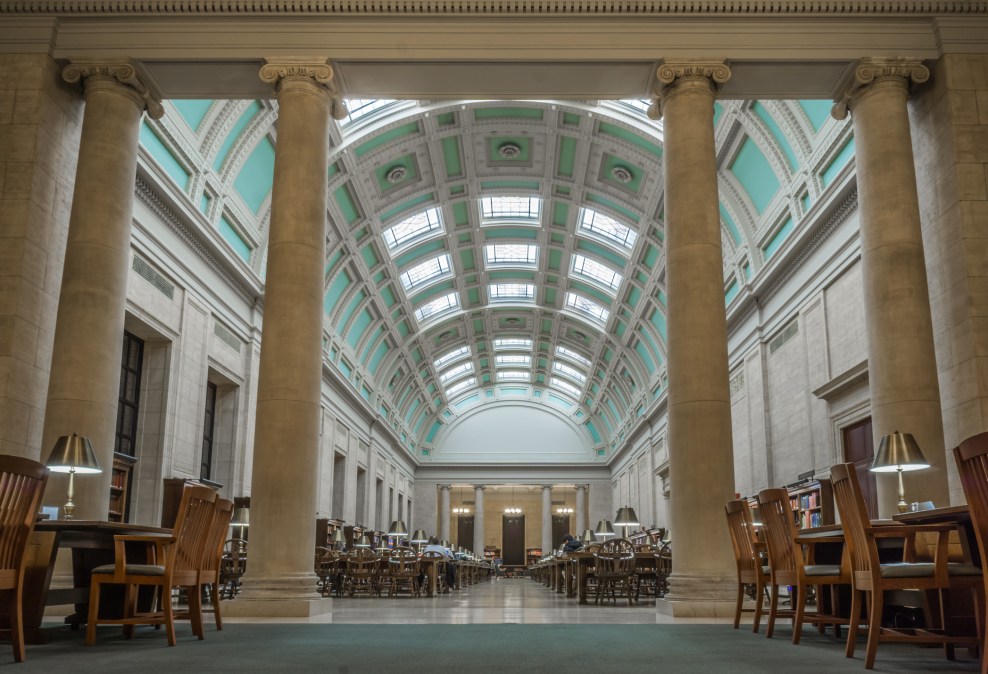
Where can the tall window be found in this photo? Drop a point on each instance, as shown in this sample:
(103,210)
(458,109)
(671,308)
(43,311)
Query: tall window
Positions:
(132,358)
(206,463)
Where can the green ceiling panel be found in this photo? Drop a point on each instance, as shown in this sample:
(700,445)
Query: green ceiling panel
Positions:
(388,296)
(418,201)
(805,201)
(777,134)
(407,163)
(346,204)
(512,275)
(557,238)
(747,272)
(547,325)
(375,361)
(560,213)
(571,119)
(461,216)
(231,137)
(253,183)
(718,111)
(611,162)
(364,319)
(619,328)
(777,239)
(610,405)
(562,189)
(838,163)
(411,410)
(626,213)
(365,393)
(232,236)
(446,119)
(333,260)
(478,325)
(511,233)
(432,291)
(651,256)
(467,402)
(608,354)
(204,202)
(352,308)
(421,250)
(559,401)
(403,329)
(408,129)
(419,423)
(473,297)
(755,174)
(662,298)
(431,435)
(502,113)
(334,168)
(634,294)
(467,259)
(361,234)
(335,292)
(163,156)
(371,343)
(379,277)
(513,391)
(345,369)
(370,256)
(731,226)
(451,156)
(486,379)
(658,319)
(550,296)
(552,279)
(532,185)
(603,252)
(657,354)
(818,111)
(630,137)
(495,143)
(192,111)
(567,156)
(642,277)
(607,422)
(731,292)
(457,190)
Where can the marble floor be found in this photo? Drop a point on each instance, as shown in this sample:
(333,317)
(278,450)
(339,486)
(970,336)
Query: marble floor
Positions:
(504,601)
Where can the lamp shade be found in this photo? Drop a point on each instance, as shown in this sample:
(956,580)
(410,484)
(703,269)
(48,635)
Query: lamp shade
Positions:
(339,536)
(444,543)
(588,537)
(73,454)
(898,451)
(241,517)
(626,517)
(419,536)
(363,542)
(398,528)
(604,529)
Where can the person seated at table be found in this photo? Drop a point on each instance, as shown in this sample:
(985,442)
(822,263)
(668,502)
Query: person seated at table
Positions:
(571,544)
(450,570)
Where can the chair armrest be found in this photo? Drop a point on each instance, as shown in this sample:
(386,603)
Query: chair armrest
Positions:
(159,541)
(907,530)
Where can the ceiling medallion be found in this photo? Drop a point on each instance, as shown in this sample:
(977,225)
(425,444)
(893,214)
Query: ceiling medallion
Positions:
(396,174)
(509,150)
(446,335)
(512,321)
(622,174)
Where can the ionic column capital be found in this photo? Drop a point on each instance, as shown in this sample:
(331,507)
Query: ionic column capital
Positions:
(581,487)
(120,76)
(281,70)
(445,487)
(688,74)
(546,487)
(871,73)
(479,487)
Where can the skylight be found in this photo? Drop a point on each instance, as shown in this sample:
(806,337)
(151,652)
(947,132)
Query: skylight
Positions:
(638,104)
(595,271)
(588,307)
(511,291)
(513,208)
(456,388)
(513,375)
(414,227)
(572,355)
(512,343)
(361,107)
(449,357)
(429,270)
(607,228)
(455,372)
(439,305)
(511,254)
(569,371)
(564,385)
(513,360)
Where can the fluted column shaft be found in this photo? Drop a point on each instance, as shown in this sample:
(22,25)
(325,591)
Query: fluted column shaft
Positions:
(701,463)
(581,510)
(902,370)
(546,519)
(444,512)
(84,384)
(478,519)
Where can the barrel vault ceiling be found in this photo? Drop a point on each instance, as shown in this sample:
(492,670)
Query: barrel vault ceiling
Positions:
(490,252)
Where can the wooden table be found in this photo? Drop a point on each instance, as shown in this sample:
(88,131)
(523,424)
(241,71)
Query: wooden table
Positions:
(584,560)
(431,568)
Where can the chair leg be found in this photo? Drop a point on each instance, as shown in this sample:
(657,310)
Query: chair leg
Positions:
(214,594)
(17,622)
(772,612)
(93,611)
(195,611)
(169,614)
(737,606)
(759,604)
(130,608)
(797,623)
(855,622)
(948,647)
(874,627)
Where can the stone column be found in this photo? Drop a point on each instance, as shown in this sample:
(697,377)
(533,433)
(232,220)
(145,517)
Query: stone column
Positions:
(84,386)
(281,581)
(444,512)
(581,510)
(478,519)
(902,369)
(546,519)
(701,462)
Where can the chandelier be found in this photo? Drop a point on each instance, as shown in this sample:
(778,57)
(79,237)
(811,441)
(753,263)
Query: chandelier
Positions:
(512,509)
(461,510)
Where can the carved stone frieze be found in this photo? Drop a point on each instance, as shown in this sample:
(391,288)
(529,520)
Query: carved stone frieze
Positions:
(123,73)
(871,71)
(276,71)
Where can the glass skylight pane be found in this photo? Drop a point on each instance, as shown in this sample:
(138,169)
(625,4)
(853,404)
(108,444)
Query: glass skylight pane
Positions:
(511,291)
(588,307)
(569,371)
(524,208)
(438,306)
(512,375)
(511,254)
(361,107)
(455,372)
(413,227)
(513,360)
(423,273)
(608,228)
(455,354)
(456,388)
(512,343)
(637,104)
(564,385)
(596,271)
(572,355)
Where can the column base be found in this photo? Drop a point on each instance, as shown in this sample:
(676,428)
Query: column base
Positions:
(281,597)
(699,596)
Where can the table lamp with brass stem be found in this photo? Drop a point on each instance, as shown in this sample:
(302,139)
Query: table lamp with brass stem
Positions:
(73,454)
(899,452)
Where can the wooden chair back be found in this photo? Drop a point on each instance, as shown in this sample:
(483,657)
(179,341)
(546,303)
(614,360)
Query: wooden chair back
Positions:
(362,562)
(616,557)
(192,529)
(861,548)
(222,514)
(972,464)
(403,562)
(742,530)
(779,530)
(22,483)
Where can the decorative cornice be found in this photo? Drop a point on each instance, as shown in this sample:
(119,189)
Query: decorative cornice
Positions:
(871,71)
(122,73)
(780,8)
(278,70)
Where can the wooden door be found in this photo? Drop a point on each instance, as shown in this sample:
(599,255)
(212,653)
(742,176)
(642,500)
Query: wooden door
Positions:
(513,539)
(464,531)
(859,450)
(560,527)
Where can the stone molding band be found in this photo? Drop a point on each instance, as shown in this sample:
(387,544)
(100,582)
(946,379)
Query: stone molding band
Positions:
(871,71)
(122,73)
(278,70)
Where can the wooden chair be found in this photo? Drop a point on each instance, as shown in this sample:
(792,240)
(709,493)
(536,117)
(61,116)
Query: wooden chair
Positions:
(788,567)
(747,556)
(872,578)
(664,569)
(615,567)
(362,572)
(403,569)
(177,561)
(325,569)
(972,464)
(22,483)
(233,565)
(212,559)
(431,557)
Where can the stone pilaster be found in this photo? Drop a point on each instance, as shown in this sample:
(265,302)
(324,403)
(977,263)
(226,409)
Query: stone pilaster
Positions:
(546,519)
(83,389)
(701,462)
(280,581)
(478,519)
(444,512)
(902,368)
(581,510)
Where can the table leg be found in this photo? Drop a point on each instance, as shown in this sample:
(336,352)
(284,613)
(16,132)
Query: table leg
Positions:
(581,578)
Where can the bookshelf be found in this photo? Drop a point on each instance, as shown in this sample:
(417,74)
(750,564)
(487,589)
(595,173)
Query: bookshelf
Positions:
(123,467)
(812,504)
(532,555)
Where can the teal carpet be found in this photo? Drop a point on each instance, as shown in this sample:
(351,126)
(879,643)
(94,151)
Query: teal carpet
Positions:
(465,649)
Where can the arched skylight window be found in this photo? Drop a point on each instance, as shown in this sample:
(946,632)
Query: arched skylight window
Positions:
(421,274)
(512,343)
(513,360)
(564,385)
(513,375)
(587,307)
(361,107)
(440,305)
(511,254)
(595,271)
(501,292)
(569,371)
(510,208)
(455,372)
(413,228)
(449,357)
(572,355)
(460,386)
(607,228)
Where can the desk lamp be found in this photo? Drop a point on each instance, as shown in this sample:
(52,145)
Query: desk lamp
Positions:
(241,518)
(418,538)
(626,518)
(898,452)
(73,454)
(363,542)
(339,539)
(604,529)
(588,537)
